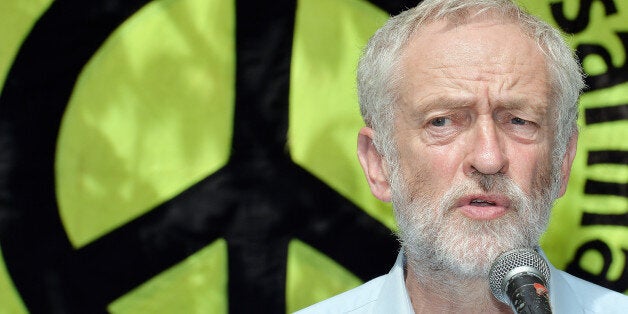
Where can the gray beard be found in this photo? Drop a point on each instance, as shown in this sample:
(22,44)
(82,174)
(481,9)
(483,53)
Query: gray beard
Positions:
(442,244)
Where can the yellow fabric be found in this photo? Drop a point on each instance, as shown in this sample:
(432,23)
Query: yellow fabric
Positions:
(152,112)
(16,20)
(10,302)
(313,277)
(196,285)
(324,115)
(150,115)
(565,234)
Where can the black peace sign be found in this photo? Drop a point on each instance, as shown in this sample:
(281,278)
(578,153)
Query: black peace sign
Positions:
(254,195)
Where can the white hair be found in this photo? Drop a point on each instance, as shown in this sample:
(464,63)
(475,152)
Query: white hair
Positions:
(378,75)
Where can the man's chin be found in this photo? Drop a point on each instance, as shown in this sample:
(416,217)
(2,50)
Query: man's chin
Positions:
(467,247)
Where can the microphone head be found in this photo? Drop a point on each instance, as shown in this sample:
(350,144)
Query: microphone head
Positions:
(511,263)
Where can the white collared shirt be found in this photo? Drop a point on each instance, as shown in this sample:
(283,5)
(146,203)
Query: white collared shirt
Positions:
(388,294)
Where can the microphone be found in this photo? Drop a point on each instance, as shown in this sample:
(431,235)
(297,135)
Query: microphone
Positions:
(519,278)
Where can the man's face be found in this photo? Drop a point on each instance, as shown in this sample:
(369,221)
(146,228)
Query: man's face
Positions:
(473,133)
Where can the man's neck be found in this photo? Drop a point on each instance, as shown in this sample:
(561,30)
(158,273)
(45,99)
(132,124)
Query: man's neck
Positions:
(451,296)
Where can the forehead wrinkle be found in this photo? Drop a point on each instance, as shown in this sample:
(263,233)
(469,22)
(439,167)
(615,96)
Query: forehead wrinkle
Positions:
(482,72)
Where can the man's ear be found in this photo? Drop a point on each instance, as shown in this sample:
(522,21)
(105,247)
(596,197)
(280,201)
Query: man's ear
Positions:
(565,170)
(373,165)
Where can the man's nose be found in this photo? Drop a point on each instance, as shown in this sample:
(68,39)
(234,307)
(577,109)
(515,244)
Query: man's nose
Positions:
(486,152)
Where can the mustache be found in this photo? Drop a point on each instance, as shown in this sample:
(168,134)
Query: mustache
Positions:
(491,182)
(487,183)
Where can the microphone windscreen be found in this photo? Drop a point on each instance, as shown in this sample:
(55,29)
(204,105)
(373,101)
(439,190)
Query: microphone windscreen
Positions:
(511,263)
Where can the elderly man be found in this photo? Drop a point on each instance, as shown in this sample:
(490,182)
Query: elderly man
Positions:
(471,110)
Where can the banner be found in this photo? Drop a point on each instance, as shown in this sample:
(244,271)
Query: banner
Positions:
(199,155)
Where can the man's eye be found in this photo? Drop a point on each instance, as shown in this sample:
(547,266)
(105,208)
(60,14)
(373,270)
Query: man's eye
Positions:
(440,121)
(518,121)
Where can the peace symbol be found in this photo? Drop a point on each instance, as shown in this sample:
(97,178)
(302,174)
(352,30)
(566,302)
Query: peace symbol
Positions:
(250,202)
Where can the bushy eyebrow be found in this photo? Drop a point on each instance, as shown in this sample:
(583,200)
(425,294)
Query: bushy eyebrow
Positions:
(461,102)
(538,108)
(443,102)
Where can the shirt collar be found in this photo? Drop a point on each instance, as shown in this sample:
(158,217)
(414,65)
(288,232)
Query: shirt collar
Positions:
(394,297)
(561,294)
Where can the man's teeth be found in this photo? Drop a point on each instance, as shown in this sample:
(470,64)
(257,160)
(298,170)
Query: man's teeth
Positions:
(480,202)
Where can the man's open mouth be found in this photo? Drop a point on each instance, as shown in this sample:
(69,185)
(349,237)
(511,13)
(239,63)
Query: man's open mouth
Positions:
(481,202)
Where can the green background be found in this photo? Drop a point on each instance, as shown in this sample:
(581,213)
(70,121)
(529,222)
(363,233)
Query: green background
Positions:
(131,139)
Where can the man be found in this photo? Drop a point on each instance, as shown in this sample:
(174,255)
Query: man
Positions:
(470,109)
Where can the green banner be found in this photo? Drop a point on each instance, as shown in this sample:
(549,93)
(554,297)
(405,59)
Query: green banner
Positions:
(199,155)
